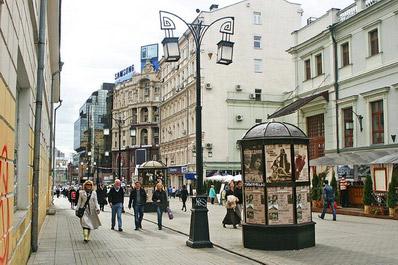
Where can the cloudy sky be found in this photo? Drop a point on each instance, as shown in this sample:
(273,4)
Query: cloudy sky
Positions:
(102,37)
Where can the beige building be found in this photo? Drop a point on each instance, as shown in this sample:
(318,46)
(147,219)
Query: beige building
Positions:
(234,97)
(136,109)
(26,42)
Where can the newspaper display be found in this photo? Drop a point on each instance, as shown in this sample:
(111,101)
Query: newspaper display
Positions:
(278,163)
(253,164)
(280,205)
(300,162)
(255,205)
(303,204)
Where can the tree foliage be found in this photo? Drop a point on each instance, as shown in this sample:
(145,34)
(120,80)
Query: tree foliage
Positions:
(368,191)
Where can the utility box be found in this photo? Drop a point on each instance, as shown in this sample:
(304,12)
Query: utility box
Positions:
(277,211)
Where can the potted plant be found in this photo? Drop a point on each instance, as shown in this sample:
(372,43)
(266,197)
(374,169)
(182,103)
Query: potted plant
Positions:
(367,193)
(391,196)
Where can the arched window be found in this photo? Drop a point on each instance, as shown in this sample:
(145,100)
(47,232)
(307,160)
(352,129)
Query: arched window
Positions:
(144,137)
(144,115)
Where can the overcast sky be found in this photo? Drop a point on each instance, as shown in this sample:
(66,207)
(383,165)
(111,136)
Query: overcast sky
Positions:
(102,37)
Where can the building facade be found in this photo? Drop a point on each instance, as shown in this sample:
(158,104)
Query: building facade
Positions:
(346,96)
(26,42)
(135,121)
(235,97)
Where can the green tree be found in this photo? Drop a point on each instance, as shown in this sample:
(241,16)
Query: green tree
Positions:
(368,191)
(391,195)
(316,191)
(333,183)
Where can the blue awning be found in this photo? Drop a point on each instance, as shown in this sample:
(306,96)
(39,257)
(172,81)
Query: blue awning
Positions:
(190,176)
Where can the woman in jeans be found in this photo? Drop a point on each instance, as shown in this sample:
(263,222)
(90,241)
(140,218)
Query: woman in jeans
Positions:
(159,198)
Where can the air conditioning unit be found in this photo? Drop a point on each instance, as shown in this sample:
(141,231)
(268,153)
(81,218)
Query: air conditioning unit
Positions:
(238,88)
(209,146)
(252,96)
(208,86)
(239,117)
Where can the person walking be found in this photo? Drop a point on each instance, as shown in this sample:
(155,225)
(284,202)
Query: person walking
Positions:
(159,198)
(239,200)
(72,196)
(101,194)
(184,196)
(137,199)
(170,191)
(212,194)
(344,191)
(231,217)
(116,198)
(90,220)
(328,200)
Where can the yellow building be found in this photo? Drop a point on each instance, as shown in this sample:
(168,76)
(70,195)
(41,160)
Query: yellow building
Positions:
(26,42)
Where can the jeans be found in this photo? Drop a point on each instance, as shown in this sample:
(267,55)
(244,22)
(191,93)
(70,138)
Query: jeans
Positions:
(159,210)
(138,215)
(117,209)
(326,206)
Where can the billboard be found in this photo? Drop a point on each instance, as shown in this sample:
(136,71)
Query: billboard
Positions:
(150,52)
(124,74)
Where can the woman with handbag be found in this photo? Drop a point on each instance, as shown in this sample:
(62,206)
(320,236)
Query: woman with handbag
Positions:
(231,218)
(159,198)
(88,209)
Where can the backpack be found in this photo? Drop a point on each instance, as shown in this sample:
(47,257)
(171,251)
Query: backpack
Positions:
(73,195)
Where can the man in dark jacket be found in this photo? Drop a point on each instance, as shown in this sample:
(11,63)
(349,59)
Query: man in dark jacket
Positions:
(116,198)
(101,196)
(328,200)
(138,199)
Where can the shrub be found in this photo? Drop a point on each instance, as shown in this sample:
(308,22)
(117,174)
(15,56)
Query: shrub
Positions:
(391,195)
(368,191)
(333,183)
(316,191)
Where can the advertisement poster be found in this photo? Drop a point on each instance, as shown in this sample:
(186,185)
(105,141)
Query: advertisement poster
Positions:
(278,166)
(280,205)
(149,192)
(255,205)
(301,162)
(303,204)
(253,164)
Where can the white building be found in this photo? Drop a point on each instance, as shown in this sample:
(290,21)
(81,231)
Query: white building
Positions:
(234,97)
(346,79)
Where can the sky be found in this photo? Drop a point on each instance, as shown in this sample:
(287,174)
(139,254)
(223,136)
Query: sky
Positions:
(102,37)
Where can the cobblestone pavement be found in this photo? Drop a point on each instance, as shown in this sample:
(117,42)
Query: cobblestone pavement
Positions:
(350,240)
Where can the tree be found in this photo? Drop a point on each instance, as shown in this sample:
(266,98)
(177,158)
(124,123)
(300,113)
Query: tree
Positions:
(391,195)
(316,191)
(333,183)
(368,191)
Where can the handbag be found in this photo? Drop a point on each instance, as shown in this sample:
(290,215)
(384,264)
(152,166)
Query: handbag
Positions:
(170,214)
(80,211)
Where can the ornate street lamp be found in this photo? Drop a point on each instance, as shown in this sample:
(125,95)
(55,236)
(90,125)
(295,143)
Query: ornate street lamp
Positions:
(199,227)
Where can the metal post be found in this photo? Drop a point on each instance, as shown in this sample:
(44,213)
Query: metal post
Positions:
(88,142)
(119,160)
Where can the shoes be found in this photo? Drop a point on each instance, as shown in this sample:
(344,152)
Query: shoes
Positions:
(159,228)
(85,241)
(334,220)
(235,227)
(223,225)
(112,228)
(136,229)
(120,229)
(185,209)
(320,216)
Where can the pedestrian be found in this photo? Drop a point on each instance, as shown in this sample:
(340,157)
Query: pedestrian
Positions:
(170,191)
(239,200)
(184,196)
(73,197)
(58,191)
(116,198)
(212,194)
(344,191)
(90,220)
(328,200)
(137,199)
(101,193)
(174,192)
(231,217)
(159,198)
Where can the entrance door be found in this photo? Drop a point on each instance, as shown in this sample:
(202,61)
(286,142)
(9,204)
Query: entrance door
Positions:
(316,133)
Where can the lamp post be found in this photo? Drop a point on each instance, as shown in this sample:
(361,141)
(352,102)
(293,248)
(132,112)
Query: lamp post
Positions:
(199,227)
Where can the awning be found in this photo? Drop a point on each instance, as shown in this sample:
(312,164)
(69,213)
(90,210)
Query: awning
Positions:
(354,158)
(388,159)
(292,107)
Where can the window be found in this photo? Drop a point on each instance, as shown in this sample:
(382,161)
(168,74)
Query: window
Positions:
(124,133)
(307,66)
(257,41)
(318,60)
(377,122)
(257,65)
(345,52)
(348,127)
(124,142)
(258,94)
(257,18)
(374,42)
(316,133)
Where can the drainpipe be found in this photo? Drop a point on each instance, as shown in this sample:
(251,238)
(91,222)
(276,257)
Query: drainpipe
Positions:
(336,84)
(53,141)
(38,117)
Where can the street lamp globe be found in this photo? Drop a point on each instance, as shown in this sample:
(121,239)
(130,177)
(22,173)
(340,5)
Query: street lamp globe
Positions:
(171,49)
(225,52)
(133,132)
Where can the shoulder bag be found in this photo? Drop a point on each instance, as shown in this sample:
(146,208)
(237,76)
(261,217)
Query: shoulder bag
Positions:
(80,211)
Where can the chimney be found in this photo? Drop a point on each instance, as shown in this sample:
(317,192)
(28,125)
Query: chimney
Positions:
(213,7)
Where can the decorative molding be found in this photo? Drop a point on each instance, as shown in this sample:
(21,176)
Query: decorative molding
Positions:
(375,92)
(372,24)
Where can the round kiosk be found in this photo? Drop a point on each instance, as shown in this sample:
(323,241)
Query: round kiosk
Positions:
(149,174)
(276,188)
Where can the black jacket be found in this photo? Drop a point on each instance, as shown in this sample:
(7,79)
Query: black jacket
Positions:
(101,195)
(133,197)
(116,197)
(238,194)
(160,195)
